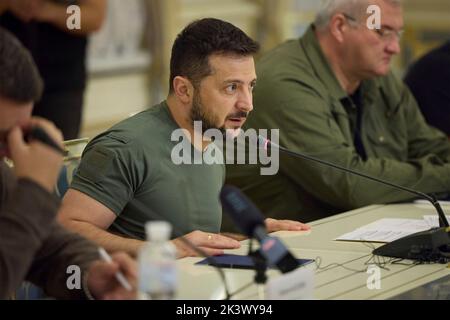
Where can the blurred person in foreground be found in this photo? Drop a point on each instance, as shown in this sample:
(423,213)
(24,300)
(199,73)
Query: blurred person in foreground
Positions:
(33,246)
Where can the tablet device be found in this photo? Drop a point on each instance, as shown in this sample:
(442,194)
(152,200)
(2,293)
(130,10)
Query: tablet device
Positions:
(234,261)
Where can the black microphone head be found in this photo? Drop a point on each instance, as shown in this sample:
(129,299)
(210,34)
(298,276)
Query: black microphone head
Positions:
(241,210)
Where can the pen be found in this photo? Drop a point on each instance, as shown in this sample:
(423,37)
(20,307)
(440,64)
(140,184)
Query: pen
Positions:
(119,275)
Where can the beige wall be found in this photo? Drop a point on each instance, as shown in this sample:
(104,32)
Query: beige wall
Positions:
(109,99)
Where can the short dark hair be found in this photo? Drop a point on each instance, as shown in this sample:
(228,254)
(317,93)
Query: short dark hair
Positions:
(201,39)
(19,77)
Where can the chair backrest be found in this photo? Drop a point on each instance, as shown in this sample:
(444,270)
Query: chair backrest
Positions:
(29,291)
(74,150)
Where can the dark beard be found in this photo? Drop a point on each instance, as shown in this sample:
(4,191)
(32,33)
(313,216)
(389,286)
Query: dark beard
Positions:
(198,114)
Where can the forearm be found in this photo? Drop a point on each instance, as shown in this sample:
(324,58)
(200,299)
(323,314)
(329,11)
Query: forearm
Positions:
(422,175)
(92,14)
(24,224)
(438,144)
(327,136)
(58,259)
(348,191)
(103,238)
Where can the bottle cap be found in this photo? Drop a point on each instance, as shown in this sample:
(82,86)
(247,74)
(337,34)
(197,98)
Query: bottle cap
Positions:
(158,230)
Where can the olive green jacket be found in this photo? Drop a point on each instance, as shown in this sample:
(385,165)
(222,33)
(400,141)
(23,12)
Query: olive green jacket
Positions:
(298,94)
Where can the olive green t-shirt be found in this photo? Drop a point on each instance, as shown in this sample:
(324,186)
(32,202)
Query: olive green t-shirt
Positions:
(129,169)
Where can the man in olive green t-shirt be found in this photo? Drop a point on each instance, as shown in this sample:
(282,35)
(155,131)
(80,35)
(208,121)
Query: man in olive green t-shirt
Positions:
(128,175)
(332,95)
(129,169)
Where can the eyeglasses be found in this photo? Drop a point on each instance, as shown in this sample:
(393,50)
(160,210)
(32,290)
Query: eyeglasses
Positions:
(385,34)
(389,34)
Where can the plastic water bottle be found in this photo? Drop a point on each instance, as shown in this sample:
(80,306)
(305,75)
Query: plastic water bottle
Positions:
(157,263)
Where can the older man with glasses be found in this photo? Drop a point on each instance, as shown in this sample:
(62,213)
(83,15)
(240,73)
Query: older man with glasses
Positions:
(332,95)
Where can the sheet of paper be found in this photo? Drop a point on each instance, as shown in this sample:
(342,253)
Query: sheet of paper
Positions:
(386,230)
(433,220)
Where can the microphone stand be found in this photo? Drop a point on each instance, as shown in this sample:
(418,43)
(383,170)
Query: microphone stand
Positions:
(260,269)
(428,246)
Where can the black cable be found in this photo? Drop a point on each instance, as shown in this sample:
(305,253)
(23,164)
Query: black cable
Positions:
(375,258)
(318,262)
(241,289)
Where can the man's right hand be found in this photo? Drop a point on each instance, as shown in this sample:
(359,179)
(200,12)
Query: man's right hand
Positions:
(211,243)
(36,161)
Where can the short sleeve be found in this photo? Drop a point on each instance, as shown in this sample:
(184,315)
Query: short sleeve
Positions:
(108,172)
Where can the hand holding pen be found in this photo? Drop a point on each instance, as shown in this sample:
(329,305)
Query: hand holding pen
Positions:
(119,275)
(113,277)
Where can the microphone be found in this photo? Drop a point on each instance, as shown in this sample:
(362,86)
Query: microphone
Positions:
(431,245)
(251,222)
